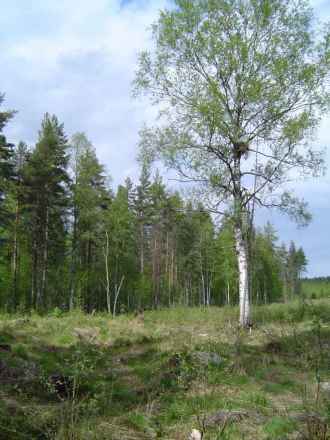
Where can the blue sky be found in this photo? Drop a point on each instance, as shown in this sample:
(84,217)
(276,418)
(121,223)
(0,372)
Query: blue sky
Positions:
(77,59)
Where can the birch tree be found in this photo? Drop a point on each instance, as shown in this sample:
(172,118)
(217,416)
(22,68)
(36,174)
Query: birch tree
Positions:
(241,85)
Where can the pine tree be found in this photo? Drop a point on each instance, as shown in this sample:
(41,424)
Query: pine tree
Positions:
(143,209)
(172,218)
(122,251)
(159,199)
(267,281)
(6,159)
(91,199)
(189,256)
(20,157)
(47,180)
(292,271)
(300,268)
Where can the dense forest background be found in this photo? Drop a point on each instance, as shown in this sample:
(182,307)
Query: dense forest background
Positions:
(69,240)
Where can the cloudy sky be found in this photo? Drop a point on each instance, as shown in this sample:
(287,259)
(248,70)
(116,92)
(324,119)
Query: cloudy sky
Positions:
(77,59)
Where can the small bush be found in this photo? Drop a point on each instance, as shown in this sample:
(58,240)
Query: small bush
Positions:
(56,313)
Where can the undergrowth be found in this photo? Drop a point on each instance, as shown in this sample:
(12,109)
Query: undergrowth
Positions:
(139,377)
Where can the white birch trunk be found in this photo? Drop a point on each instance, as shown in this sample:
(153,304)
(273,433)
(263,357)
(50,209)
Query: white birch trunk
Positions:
(242,257)
(117,292)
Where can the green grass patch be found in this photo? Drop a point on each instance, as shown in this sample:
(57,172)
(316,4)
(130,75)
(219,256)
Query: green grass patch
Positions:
(278,428)
(138,378)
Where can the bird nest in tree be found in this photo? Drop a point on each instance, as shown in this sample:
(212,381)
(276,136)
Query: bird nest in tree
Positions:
(240,148)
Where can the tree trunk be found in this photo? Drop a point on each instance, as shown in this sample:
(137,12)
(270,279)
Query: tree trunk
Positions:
(141,248)
(117,292)
(15,258)
(265,292)
(34,274)
(156,268)
(41,298)
(73,261)
(241,228)
(203,299)
(106,254)
(209,287)
(88,300)
(242,258)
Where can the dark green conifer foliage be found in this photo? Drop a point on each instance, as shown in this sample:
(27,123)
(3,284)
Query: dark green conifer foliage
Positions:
(68,241)
(123,252)
(91,201)
(47,184)
(7,172)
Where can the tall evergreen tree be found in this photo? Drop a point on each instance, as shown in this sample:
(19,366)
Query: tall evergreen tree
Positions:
(122,252)
(143,208)
(46,181)
(17,226)
(91,198)
(6,158)
(296,265)
(267,283)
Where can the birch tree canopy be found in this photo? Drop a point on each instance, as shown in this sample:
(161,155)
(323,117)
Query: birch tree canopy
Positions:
(241,85)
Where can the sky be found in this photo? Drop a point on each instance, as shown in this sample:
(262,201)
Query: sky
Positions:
(77,59)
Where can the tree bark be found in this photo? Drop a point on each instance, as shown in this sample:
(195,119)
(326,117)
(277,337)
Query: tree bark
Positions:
(88,299)
(242,259)
(15,258)
(241,243)
(156,267)
(106,254)
(141,247)
(41,297)
(117,292)
(34,274)
(73,261)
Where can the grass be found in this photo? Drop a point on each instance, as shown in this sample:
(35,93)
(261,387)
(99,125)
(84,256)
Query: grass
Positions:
(138,379)
(316,288)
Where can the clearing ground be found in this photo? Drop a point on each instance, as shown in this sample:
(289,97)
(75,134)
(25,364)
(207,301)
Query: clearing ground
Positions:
(162,373)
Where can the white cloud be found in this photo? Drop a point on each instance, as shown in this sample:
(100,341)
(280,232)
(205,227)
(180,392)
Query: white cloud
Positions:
(77,59)
(81,70)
